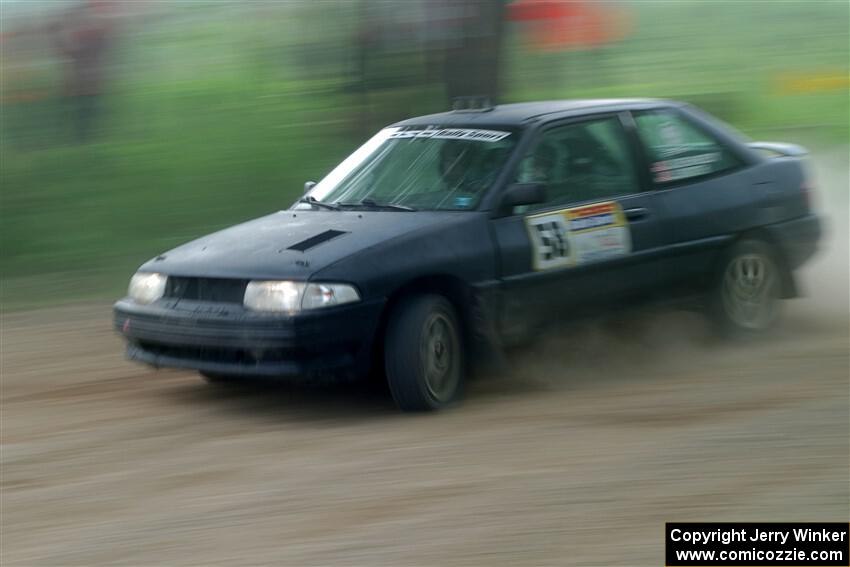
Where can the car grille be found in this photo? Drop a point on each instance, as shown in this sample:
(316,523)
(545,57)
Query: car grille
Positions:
(206,289)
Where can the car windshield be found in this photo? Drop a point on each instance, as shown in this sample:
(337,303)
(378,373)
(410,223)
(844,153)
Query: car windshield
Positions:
(417,168)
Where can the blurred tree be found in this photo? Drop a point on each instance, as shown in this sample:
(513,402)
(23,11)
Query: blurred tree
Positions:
(406,54)
(472,64)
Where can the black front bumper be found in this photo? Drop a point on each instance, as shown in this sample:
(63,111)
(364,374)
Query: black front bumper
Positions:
(221,338)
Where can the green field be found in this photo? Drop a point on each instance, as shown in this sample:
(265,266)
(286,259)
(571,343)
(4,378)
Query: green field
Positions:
(211,120)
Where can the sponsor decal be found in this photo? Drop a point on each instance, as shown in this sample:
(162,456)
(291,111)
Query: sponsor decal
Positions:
(684,167)
(579,235)
(453,134)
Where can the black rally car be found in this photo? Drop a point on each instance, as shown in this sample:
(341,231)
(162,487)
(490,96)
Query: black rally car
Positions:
(477,227)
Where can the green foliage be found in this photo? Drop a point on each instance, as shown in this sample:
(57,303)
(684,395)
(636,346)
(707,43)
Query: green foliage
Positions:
(212,119)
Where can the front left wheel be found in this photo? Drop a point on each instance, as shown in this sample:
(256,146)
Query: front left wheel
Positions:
(423,354)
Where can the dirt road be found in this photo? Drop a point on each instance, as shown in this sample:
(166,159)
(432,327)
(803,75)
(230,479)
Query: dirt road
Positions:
(599,437)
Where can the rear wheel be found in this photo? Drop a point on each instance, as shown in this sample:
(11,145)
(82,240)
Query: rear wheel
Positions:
(745,298)
(423,354)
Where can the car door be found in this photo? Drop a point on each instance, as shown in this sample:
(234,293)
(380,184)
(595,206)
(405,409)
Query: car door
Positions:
(703,183)
(595,239)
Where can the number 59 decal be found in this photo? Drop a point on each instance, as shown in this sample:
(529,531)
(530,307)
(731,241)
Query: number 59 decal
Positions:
(570,237)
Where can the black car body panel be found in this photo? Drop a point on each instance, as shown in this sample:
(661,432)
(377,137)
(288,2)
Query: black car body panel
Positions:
(262,248)
(500,268)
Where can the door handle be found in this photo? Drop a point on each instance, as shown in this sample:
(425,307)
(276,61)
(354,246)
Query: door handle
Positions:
(637,213)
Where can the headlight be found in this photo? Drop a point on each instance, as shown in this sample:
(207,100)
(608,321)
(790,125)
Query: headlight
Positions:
(146,287)
(292,297)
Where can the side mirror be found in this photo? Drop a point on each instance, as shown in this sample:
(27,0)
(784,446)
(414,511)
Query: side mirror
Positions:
(521,194)
(308,185)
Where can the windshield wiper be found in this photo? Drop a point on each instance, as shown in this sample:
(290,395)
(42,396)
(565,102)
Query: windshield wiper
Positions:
(371,204)
(316,203)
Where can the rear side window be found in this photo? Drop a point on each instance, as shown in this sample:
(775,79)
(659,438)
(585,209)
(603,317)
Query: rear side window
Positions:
(679,150)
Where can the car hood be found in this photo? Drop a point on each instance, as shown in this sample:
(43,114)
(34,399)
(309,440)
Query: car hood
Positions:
(292,244)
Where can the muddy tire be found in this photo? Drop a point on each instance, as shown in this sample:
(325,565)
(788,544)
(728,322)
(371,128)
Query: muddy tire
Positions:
(423,354)
(745,296)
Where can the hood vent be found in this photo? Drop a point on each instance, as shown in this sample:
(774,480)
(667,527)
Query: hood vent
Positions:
(313,241)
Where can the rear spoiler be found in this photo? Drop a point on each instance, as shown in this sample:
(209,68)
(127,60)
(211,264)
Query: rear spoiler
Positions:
(779,148)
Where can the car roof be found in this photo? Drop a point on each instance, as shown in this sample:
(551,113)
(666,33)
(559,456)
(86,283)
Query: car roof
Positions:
(522,113)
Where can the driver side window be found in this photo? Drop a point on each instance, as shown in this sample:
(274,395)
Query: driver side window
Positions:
(580,162)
